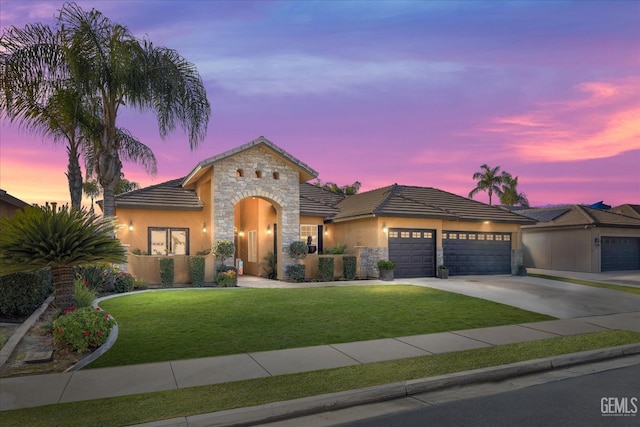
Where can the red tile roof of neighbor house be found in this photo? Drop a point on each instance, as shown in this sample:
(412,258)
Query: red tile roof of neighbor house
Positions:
(578,216)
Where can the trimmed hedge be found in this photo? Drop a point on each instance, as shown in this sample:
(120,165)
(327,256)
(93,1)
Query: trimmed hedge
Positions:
(325,269)
(22,293)
(166,272)
(197,271)
(296,272)
(349,267)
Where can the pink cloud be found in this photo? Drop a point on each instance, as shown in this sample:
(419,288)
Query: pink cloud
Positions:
(605,123)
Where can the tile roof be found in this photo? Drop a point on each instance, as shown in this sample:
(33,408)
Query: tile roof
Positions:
(13,201)
(628,210)
(422,202)
(315,201)
(168,195)
(579,216)
(306,172)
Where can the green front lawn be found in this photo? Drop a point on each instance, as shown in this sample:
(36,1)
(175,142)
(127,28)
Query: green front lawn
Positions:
(141,408)
(185,324)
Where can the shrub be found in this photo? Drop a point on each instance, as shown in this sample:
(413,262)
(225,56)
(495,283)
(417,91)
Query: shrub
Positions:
(166,272)
(83,295)
(325,269)
(137,251)
(124,283)
(223,249)
(227,278)
(271,267)
(99,278)
(22,293)
(298,250)
(349,267)
(383,264)
(296,272)
(196,264)
(338,249)
(83,328)
(225,268)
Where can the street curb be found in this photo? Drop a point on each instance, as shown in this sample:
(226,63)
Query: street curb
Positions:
(16,337)
(278,411)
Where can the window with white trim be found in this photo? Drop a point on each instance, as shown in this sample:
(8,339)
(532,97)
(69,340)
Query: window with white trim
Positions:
(307,230)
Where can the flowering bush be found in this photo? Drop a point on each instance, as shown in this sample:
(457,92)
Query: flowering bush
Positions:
(124,282)
(83,328)
(227,278)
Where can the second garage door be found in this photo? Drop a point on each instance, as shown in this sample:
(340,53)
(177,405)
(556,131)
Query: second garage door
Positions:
(413,251)
(477,253)
(620,253)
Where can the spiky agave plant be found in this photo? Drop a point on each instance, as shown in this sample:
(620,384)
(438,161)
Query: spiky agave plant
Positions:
(58,238)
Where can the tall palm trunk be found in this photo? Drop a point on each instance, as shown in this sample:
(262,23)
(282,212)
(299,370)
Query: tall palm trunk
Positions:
(74,176)
(63,287)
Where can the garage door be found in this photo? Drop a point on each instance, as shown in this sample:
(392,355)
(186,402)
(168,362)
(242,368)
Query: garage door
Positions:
(620,253)
(477,253)
(413,251)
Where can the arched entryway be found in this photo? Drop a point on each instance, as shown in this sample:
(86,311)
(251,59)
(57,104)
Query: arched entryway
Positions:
(257,235)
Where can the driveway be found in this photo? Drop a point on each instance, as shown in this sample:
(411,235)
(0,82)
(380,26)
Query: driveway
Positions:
(554,298)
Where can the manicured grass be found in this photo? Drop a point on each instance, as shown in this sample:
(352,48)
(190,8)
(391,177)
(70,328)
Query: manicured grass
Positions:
(185,324)
(149,407)
(622,288)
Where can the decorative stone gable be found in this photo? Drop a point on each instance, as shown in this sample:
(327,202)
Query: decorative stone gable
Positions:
(257,172)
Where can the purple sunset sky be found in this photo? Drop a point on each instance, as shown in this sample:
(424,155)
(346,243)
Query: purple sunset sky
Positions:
(408,92)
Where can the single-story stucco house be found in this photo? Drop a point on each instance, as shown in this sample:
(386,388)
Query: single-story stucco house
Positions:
(258,196)
(582,238)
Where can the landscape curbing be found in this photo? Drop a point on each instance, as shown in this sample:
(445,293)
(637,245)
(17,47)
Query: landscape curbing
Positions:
(10,345)
(279,411)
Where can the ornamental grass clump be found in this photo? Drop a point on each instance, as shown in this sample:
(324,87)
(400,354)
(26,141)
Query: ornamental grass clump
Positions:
(82,329)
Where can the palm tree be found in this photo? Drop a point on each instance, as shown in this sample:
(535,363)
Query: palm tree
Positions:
(488,180)
(54,106)
(39,237)
(510,195)
(109,68)
(92,189)
(112,65)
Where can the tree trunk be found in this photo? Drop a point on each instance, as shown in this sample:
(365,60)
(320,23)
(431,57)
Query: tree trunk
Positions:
(109,166)
(74,176)
(63,287)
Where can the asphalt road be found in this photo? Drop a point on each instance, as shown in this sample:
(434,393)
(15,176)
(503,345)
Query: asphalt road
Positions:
(609,398)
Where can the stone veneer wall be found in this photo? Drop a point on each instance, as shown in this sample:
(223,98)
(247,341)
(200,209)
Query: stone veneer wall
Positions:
(368,258)
(517,260)
(284,193)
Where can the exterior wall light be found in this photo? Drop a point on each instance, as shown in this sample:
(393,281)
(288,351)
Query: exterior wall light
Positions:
(204,228)
(241,233)
(326,231)
(384,227)
(596,241)
(269,229)
(131,225)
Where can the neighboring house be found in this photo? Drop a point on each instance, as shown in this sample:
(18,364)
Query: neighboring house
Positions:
(9,204)
(581,238)
(258,196)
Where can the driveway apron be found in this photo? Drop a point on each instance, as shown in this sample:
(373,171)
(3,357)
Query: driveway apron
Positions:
(554,298)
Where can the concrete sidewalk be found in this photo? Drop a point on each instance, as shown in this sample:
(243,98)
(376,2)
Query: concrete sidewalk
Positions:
(31,391)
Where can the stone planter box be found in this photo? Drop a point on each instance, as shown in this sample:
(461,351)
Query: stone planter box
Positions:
(443,273)
(386,275)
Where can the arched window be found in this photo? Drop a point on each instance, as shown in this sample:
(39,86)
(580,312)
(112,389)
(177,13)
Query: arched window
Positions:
(258,174)
(276,175)
(239,173)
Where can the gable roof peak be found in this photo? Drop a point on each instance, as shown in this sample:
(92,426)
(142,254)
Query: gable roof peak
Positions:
(306,172)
